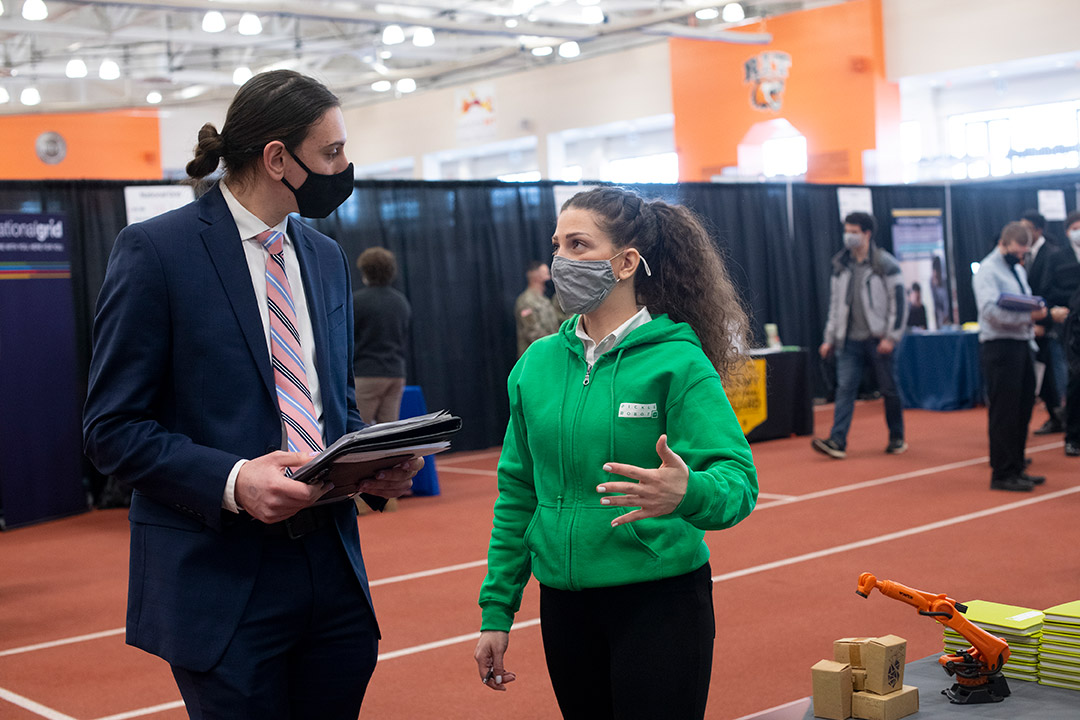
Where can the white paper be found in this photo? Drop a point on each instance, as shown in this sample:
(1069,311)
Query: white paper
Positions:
(854,199)
(1052,204)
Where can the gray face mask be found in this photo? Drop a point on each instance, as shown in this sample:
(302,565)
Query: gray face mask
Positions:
(852,240)
(582,285)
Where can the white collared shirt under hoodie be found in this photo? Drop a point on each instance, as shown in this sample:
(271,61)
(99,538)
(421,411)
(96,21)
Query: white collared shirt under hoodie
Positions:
(248,227)
(594,350)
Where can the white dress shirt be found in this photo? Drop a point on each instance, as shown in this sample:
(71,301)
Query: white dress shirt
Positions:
(249,226)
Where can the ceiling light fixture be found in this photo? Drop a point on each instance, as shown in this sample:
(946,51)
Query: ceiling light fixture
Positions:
(393,35)
(385,54)
(423,37)
(569,50)
(542,51)
(153,97)
(30,96)
(109,70)
(406,85)
(250,24)
(241,75)
(76,68)
(588,3)
(593,15)
(511,22)
(34,10)
(733,12)
(381,85)
(707,14)
(1,13)
(213,22)
(4,97)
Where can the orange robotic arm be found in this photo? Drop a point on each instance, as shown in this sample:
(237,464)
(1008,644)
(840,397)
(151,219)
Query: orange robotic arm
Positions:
(988,652)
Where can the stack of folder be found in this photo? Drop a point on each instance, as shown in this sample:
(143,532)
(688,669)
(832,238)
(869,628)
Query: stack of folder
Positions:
(1059,654)
(1021,627)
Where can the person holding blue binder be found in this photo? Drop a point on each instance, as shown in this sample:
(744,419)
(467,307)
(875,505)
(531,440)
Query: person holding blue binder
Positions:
(1006,353)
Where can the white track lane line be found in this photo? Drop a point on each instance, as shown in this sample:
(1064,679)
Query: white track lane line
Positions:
(468,471)
(145,711)
(427,573)
(65,641)
(31,706)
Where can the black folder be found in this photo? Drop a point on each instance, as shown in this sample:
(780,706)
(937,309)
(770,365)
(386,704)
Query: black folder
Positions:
(358,456)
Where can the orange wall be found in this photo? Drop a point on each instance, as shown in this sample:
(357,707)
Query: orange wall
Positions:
(835,93)
(121,145)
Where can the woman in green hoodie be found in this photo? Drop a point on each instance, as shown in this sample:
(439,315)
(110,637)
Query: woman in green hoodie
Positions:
(630,382)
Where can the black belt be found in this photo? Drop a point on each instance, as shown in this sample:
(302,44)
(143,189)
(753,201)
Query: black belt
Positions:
(302,523)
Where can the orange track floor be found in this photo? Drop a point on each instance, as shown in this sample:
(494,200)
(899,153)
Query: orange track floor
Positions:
(784,579)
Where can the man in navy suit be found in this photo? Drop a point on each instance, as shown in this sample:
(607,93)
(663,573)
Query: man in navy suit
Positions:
(256,597)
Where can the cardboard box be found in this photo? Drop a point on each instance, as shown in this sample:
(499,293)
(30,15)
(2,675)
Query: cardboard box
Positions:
(883,659)
(858,679)
(832,690)
(849,650)
(868,706)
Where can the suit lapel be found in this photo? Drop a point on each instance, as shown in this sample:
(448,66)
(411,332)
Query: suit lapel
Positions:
(223,243)
(316,300)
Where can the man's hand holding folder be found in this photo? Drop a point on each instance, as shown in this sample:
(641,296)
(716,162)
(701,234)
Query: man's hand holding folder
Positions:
(353,463)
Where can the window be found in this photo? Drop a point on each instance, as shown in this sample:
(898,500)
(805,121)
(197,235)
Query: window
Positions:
(784,156)
(1036,138)
(526,176)
(660,168)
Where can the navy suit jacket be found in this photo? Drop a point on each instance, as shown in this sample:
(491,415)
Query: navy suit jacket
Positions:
(180,389)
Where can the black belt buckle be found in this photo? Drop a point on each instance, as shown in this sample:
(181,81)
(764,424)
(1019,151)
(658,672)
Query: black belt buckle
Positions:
(301,524)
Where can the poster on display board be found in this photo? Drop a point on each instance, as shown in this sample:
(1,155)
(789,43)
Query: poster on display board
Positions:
(919,245)
(146,201)
(40,418)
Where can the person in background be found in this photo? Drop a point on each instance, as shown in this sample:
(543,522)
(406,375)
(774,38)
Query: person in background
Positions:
(1044,264)
(916,309)
(1006,354)
(221,362)
(631,387)
(381,316)
(1071,341)
(939,294)
(535,314)
(867,314)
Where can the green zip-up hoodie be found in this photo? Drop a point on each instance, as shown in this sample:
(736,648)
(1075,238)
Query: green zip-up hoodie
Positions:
(566,421)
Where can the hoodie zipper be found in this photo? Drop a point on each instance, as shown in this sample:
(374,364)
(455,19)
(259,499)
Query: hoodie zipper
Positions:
(588,369)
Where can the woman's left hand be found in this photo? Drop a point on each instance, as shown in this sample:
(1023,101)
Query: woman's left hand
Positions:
(658,491)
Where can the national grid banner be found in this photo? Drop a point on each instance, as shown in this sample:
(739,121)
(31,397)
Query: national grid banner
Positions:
(41,476)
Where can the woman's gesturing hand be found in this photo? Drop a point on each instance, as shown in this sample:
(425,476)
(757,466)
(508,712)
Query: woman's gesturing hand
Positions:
(658,491)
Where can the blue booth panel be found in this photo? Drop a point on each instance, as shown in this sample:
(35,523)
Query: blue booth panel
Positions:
(426,482)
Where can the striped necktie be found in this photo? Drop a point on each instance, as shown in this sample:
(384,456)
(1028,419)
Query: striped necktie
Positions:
(290,378)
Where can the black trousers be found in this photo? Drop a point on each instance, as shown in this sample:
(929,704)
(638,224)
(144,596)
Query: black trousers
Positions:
(1008,367)
(306,647)
(632,651)
(1049,391)
(1072,395)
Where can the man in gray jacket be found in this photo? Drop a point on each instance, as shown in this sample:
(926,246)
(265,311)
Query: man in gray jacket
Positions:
(867,316)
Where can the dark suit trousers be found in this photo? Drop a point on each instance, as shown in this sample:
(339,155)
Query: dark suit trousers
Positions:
(306,646)
(1008,367)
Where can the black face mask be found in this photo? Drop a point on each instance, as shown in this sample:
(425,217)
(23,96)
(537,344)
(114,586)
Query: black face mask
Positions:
(1011,259)
(321,194)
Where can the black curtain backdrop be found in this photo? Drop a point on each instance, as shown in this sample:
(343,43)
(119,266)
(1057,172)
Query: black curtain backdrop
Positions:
(462,248)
